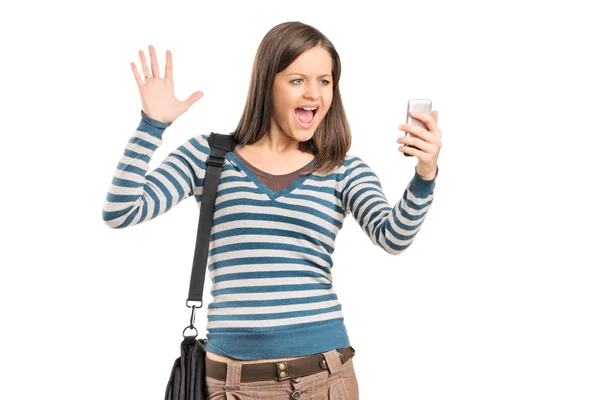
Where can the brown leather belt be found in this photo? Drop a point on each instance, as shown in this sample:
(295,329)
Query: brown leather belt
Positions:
(278,370)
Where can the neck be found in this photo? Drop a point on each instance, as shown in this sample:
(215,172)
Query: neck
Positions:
(277,142)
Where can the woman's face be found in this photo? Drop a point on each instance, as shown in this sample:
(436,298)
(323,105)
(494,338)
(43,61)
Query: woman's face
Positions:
(302,94)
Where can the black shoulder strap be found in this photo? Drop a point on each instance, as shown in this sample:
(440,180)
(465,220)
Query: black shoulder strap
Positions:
(220,145)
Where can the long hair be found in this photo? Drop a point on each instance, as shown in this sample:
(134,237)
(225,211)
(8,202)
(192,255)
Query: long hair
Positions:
(278,49)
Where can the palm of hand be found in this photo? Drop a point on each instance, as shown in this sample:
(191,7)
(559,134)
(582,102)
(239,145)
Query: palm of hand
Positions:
(158,94)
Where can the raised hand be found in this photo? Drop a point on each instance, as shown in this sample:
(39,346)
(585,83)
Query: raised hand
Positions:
(427,143)
(158,94)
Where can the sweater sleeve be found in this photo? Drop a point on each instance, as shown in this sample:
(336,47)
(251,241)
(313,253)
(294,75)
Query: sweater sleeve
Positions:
(391,228)
(136,195)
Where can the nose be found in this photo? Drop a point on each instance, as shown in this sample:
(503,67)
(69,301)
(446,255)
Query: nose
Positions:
(312,90)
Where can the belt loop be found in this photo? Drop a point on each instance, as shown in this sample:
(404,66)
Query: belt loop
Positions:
(334,364)
(234,376)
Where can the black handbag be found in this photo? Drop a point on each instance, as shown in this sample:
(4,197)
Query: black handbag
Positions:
(187,380)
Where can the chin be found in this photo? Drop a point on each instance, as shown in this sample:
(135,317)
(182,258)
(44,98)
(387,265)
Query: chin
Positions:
(303,135)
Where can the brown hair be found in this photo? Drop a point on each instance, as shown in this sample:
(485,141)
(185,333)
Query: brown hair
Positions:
(278,49)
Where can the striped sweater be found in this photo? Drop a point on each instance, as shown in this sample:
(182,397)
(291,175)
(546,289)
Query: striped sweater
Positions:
(270,254)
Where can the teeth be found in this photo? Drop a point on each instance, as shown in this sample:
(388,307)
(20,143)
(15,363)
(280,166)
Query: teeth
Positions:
(308,108)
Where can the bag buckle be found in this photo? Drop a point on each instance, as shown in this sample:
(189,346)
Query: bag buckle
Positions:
(192,317)
(215,161)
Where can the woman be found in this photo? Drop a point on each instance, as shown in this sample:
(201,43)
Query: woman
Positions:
(275,328)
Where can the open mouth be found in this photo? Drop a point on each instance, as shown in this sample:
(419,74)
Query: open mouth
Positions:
(306,115)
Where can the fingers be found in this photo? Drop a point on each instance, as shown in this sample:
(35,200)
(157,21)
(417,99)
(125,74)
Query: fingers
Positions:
(136,75)
(169,66)
(416,130)
(423,156)
(153,62)
(427,143)
(194,97)
(428,119)
(145,69)
(416,142)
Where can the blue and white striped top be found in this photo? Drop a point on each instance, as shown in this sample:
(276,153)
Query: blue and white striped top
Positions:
(270,254)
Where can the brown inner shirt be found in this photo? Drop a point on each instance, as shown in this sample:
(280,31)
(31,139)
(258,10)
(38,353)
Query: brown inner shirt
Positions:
(273,182)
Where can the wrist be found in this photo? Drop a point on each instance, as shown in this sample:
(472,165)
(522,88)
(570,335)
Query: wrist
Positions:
(155,122)
(427,174)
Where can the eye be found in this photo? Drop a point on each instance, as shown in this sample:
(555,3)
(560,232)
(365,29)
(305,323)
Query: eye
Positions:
(296,80)
(326,82)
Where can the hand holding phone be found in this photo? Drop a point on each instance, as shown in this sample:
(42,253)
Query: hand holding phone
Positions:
(422,105)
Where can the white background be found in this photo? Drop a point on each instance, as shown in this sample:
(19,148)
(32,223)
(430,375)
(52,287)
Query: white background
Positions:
(498,296)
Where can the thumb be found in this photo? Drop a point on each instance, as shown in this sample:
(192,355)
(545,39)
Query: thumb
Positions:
(194,97)
(435,116)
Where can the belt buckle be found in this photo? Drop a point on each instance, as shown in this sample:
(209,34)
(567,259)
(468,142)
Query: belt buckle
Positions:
(282,371)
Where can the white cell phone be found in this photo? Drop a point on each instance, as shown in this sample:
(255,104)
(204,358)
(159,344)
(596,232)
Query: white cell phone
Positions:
(422,105)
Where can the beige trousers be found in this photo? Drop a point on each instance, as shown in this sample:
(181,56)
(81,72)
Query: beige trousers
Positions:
(338,382)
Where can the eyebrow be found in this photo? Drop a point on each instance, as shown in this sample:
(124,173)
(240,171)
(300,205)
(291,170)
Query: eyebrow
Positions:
(302,75)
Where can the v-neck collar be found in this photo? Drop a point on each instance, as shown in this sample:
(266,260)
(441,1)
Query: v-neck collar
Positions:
(261,186)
